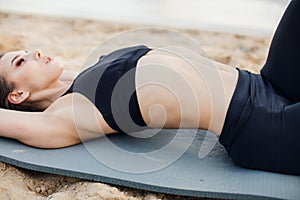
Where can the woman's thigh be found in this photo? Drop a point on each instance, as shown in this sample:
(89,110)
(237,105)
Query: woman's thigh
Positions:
(282,67)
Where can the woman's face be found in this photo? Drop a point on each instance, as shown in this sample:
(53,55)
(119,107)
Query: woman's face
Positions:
(30,71)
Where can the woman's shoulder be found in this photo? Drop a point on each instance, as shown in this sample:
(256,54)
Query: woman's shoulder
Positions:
(69,101)
(75,108)
(61,103)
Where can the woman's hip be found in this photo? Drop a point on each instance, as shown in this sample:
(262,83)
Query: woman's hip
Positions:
(260,129)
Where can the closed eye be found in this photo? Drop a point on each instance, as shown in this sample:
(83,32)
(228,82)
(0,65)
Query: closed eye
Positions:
(20,62)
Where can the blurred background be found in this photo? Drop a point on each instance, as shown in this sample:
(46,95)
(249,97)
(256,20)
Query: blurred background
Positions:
(255,17)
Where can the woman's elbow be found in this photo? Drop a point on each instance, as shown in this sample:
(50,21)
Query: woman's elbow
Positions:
(50,142)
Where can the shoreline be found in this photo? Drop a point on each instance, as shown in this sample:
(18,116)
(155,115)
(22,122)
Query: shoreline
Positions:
(203,27)
(235,16)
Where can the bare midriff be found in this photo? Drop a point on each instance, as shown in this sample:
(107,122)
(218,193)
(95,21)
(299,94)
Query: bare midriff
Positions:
(177,92)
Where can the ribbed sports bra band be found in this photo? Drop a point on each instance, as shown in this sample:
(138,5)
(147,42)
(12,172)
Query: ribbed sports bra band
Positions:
(118,105)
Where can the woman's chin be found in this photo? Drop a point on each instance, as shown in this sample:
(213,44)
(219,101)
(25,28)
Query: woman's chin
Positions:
(58,64)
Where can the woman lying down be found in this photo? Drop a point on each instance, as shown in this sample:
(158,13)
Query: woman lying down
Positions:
(255,116)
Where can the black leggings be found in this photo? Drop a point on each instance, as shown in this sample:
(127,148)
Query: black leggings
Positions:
(262,125)
(282,68)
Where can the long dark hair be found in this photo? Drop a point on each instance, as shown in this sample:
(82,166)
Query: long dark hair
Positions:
(5,89)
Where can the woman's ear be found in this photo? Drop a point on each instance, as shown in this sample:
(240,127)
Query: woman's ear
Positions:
(17,97)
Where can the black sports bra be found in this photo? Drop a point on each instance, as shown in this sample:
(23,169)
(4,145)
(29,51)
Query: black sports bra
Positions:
(110,86)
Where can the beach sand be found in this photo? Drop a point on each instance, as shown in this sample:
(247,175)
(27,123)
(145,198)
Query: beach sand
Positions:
(72,40)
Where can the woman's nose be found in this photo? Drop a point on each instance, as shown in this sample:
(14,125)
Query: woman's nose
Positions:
(37,55)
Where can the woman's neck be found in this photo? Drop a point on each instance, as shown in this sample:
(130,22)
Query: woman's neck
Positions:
(44,98)
(68,76)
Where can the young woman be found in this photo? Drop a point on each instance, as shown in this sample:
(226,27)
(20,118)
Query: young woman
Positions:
(257,120)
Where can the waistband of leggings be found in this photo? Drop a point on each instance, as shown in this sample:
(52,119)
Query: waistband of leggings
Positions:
(239,109)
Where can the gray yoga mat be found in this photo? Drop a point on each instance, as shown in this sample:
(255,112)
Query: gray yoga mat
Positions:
(156,164)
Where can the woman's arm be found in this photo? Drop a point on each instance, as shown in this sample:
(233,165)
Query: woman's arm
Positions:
(60,125)
(37,129)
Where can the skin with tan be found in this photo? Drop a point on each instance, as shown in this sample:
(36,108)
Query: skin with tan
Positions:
(201,99)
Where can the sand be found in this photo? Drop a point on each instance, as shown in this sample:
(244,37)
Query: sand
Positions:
(73,40)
